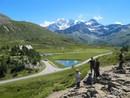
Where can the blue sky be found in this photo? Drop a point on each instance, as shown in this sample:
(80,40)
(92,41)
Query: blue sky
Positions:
(38,11)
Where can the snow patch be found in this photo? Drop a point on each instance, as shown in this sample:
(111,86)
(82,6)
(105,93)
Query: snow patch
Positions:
(118,23)
(76,21)
(106,28)
(88,23)
(91,29)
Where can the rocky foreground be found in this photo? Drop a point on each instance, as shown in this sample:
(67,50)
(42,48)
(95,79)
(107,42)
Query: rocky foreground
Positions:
(113,83)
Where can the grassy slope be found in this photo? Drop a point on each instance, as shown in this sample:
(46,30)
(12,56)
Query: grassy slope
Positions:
(26,32)
(40,87)
(122,38)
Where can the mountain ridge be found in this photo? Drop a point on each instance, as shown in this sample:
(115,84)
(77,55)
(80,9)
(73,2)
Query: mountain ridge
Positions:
(59,24)
(93,32)
(89,32)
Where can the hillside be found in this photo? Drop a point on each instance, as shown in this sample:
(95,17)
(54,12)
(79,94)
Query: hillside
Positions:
(120,38)
(11,30)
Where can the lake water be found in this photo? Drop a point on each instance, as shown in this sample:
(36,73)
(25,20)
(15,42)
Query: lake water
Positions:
(67,62)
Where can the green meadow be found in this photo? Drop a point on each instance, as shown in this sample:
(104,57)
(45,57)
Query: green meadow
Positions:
(42,86)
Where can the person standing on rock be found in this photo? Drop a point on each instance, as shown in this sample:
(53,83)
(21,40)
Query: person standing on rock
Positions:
(91,62)
(96,68)
(78,78)
(120,56)
(121,64)
(121,61)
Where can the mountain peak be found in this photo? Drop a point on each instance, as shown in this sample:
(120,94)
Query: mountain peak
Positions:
(60,24)
(61,19)
(4,19)
(93,20)
(4,16)
(90,22)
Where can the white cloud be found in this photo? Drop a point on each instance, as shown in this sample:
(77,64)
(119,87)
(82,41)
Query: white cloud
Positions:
(118,23)
(98,17)
(80,16)
(46,23)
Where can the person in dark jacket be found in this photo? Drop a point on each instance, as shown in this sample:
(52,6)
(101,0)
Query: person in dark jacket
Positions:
(96,68)
(89,80)
(91,62)
(120,56)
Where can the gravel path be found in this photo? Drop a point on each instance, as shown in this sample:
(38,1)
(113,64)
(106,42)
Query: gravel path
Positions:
(60,93)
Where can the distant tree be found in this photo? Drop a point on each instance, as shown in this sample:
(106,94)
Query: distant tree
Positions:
(2,74)
(18,67)
(8,60)
(125,48)
(3,67)
(24,50)
(17,64)
(5,48)
(34,62)
(38,57)
(14,51)
(8,47)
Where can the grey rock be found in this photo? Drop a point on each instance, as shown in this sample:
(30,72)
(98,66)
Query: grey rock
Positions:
(120,71)
(84,96)
(92,92)
(126,89)
(110,85)
(127,83)
(120,81)
(115,91)
(111,96)
(65,96)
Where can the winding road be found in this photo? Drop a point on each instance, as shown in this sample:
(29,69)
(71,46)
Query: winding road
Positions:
(49,69)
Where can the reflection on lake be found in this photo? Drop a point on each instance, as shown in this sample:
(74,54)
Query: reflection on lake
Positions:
(67,62)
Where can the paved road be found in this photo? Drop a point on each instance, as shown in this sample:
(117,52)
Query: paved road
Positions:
(49,69)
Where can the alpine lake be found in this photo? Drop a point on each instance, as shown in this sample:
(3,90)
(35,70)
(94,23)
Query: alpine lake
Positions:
(68,63)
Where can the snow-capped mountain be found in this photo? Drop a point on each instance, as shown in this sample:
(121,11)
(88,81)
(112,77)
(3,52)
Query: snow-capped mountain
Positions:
(94,26)
(60,24)
(91,31)
(92,22)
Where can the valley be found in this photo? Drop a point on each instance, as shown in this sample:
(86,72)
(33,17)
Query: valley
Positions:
(44,84)
(28,54)
(64,49)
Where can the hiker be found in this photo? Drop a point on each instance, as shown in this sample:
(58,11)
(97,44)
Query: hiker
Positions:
(120,64)
(89,79)
(120,61)
(96,68)
(78,78)
(91,62)
(120,56)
